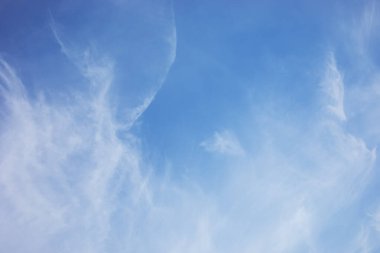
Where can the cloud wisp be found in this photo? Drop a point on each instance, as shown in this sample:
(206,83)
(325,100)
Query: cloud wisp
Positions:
(68,183)
(334,89)
(62,169)
(224,143)
(285,195)
(99,70)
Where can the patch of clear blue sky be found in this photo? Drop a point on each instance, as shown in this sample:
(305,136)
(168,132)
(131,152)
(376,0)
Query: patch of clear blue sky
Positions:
(234,57)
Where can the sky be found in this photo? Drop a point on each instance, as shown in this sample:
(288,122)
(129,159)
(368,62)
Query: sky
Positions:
(189,126)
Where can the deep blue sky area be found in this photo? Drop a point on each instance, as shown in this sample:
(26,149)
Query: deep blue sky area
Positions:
(233,56)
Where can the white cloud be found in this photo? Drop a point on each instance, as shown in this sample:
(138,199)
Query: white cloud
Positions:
(67,182)
(333,86)
(99,68)
(224,142)
(363,29)
(364,84)
(285,195)
(58,167)
(367,239)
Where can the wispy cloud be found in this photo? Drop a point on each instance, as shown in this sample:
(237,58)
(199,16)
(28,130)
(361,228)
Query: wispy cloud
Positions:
(99,68)
(66,177)
(62,168)
(224,142)
(364,28)
(288,196)
(333,86)
(364,83)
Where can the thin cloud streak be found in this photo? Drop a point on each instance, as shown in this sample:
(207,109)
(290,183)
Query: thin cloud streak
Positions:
(223,142)
(333,86)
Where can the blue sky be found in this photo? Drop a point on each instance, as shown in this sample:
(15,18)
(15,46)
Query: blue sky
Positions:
(189,126)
